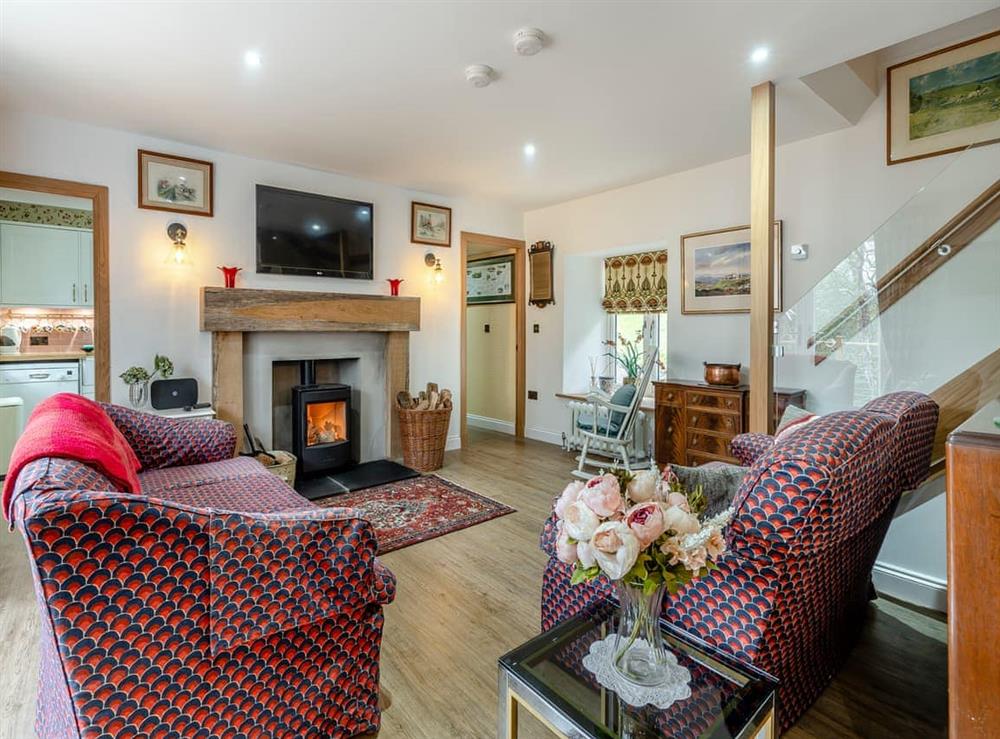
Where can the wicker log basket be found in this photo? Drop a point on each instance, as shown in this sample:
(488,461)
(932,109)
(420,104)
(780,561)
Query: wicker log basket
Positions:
(423,427)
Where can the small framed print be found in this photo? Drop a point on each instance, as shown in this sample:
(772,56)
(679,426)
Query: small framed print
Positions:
(542,291)
(944,101)
(490,280)
(175,184)
(430,224)
(715,270)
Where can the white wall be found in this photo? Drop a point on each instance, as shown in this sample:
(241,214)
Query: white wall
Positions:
(832,191)
(154,306)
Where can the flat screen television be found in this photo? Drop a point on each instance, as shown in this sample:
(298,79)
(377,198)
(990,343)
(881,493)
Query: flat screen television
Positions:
(299,233)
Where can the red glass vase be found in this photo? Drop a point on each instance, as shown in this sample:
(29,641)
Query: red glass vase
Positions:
(394,286)
(229,275)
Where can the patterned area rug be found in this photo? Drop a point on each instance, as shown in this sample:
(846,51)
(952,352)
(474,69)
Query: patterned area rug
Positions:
(411,511)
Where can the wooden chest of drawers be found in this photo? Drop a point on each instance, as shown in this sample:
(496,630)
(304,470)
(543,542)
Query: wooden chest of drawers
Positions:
(695,422)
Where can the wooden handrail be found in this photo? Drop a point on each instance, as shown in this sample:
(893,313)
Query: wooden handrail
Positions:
(960,231)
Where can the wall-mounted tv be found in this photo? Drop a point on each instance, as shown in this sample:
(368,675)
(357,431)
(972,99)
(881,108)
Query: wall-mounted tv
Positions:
(299,233)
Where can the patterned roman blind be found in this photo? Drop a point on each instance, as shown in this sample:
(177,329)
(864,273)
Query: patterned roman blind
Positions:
(636,283)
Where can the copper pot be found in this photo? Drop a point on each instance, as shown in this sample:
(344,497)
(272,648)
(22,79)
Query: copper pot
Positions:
(717,373)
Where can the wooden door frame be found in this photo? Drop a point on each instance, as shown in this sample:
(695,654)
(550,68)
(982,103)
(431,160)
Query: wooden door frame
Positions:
(98,195)
(520,316)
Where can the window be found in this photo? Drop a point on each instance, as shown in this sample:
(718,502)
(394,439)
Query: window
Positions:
(651,331)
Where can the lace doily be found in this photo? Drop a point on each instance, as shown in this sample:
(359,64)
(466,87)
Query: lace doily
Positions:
(675,688)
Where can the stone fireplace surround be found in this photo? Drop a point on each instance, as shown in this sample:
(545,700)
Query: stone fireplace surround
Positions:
(236,316)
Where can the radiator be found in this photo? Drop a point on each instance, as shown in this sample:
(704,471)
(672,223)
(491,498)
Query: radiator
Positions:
(573,439)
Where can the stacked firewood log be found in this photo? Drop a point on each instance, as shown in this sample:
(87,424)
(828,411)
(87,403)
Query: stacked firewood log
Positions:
(430,399)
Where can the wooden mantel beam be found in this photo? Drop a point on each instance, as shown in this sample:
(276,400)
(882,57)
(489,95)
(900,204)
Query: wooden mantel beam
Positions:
(241,309)
(761,257)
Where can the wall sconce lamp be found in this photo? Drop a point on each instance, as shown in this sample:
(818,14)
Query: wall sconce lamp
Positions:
(177,233)
(432,261)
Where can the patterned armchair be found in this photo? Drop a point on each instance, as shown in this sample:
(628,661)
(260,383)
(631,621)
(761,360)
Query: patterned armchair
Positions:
(218,602)
(791,594)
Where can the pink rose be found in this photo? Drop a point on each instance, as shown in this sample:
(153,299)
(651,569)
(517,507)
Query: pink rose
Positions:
(570,495)
(565,551)
(647,523)
(716,544)
(643,486)
(680,500)
(580,522)
(588,558)
(680,521)
(615,548)
(603,495)
(669,476)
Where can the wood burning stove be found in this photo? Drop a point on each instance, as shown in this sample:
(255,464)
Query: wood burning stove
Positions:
(322,437)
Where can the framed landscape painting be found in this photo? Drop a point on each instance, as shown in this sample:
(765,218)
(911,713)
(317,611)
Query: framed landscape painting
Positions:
(715,270)
(175,184)
(944,101)
(490,280)
(430,224)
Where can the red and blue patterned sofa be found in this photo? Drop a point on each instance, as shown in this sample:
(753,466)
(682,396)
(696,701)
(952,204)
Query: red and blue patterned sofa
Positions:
(791,594)
(216,603)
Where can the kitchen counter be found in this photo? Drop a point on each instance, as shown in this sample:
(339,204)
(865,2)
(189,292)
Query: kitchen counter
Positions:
(44,356)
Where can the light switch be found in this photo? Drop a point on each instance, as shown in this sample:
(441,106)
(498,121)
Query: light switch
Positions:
(486,327)
(536,329)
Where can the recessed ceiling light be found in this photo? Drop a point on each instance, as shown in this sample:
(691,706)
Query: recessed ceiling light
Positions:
(759,54)
(315,227)
(252,59)
(529,151)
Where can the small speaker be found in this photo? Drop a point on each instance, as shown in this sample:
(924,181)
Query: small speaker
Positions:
(179,393)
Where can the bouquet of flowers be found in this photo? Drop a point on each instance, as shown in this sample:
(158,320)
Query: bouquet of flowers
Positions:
(642,530)
(646,533)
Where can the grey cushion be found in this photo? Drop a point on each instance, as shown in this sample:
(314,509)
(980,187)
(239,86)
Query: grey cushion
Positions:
(719,482)
(792,413)
(621,396)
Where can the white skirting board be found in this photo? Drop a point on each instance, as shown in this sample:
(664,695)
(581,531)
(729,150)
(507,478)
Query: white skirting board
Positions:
(911,587)
(549,437)
(491,424)
(453,442)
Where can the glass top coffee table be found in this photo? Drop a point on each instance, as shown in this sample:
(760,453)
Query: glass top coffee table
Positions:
(546,677)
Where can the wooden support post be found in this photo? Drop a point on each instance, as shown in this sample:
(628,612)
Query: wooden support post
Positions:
(761,257)
(397,369)
(227,378)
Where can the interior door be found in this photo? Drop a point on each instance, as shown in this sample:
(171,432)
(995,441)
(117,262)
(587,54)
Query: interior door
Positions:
(39,265)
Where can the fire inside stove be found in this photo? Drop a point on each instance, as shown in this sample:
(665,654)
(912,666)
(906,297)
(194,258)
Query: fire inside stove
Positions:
(326,423)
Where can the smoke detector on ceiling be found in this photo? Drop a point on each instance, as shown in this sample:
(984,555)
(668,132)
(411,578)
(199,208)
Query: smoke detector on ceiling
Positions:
(480,75)
(529,41)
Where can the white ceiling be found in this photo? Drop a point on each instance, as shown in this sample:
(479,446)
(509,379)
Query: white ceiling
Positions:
(626,91)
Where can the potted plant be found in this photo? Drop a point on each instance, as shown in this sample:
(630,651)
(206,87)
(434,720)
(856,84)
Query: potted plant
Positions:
(630,356)
(138,378)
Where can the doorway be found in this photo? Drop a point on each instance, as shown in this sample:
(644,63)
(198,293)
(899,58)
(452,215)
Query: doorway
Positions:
(55,299)
(492,334)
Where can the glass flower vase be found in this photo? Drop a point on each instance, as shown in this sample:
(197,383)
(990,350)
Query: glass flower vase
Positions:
(640,655)
(138,394)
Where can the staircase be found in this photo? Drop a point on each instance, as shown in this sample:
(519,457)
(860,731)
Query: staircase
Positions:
(915,307)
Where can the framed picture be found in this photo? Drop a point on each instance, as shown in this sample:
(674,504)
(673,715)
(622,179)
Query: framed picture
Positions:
(715,270)
(542,290)
(430,224)
(176,184)
(944,101)
(490,280)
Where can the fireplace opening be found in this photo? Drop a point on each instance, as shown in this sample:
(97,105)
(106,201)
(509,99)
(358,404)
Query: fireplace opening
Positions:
(322,436)
(326,423)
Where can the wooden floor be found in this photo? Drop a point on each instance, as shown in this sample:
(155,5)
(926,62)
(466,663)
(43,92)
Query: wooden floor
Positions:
(466,598)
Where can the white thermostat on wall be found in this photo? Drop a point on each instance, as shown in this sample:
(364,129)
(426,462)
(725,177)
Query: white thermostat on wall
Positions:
(799,251)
